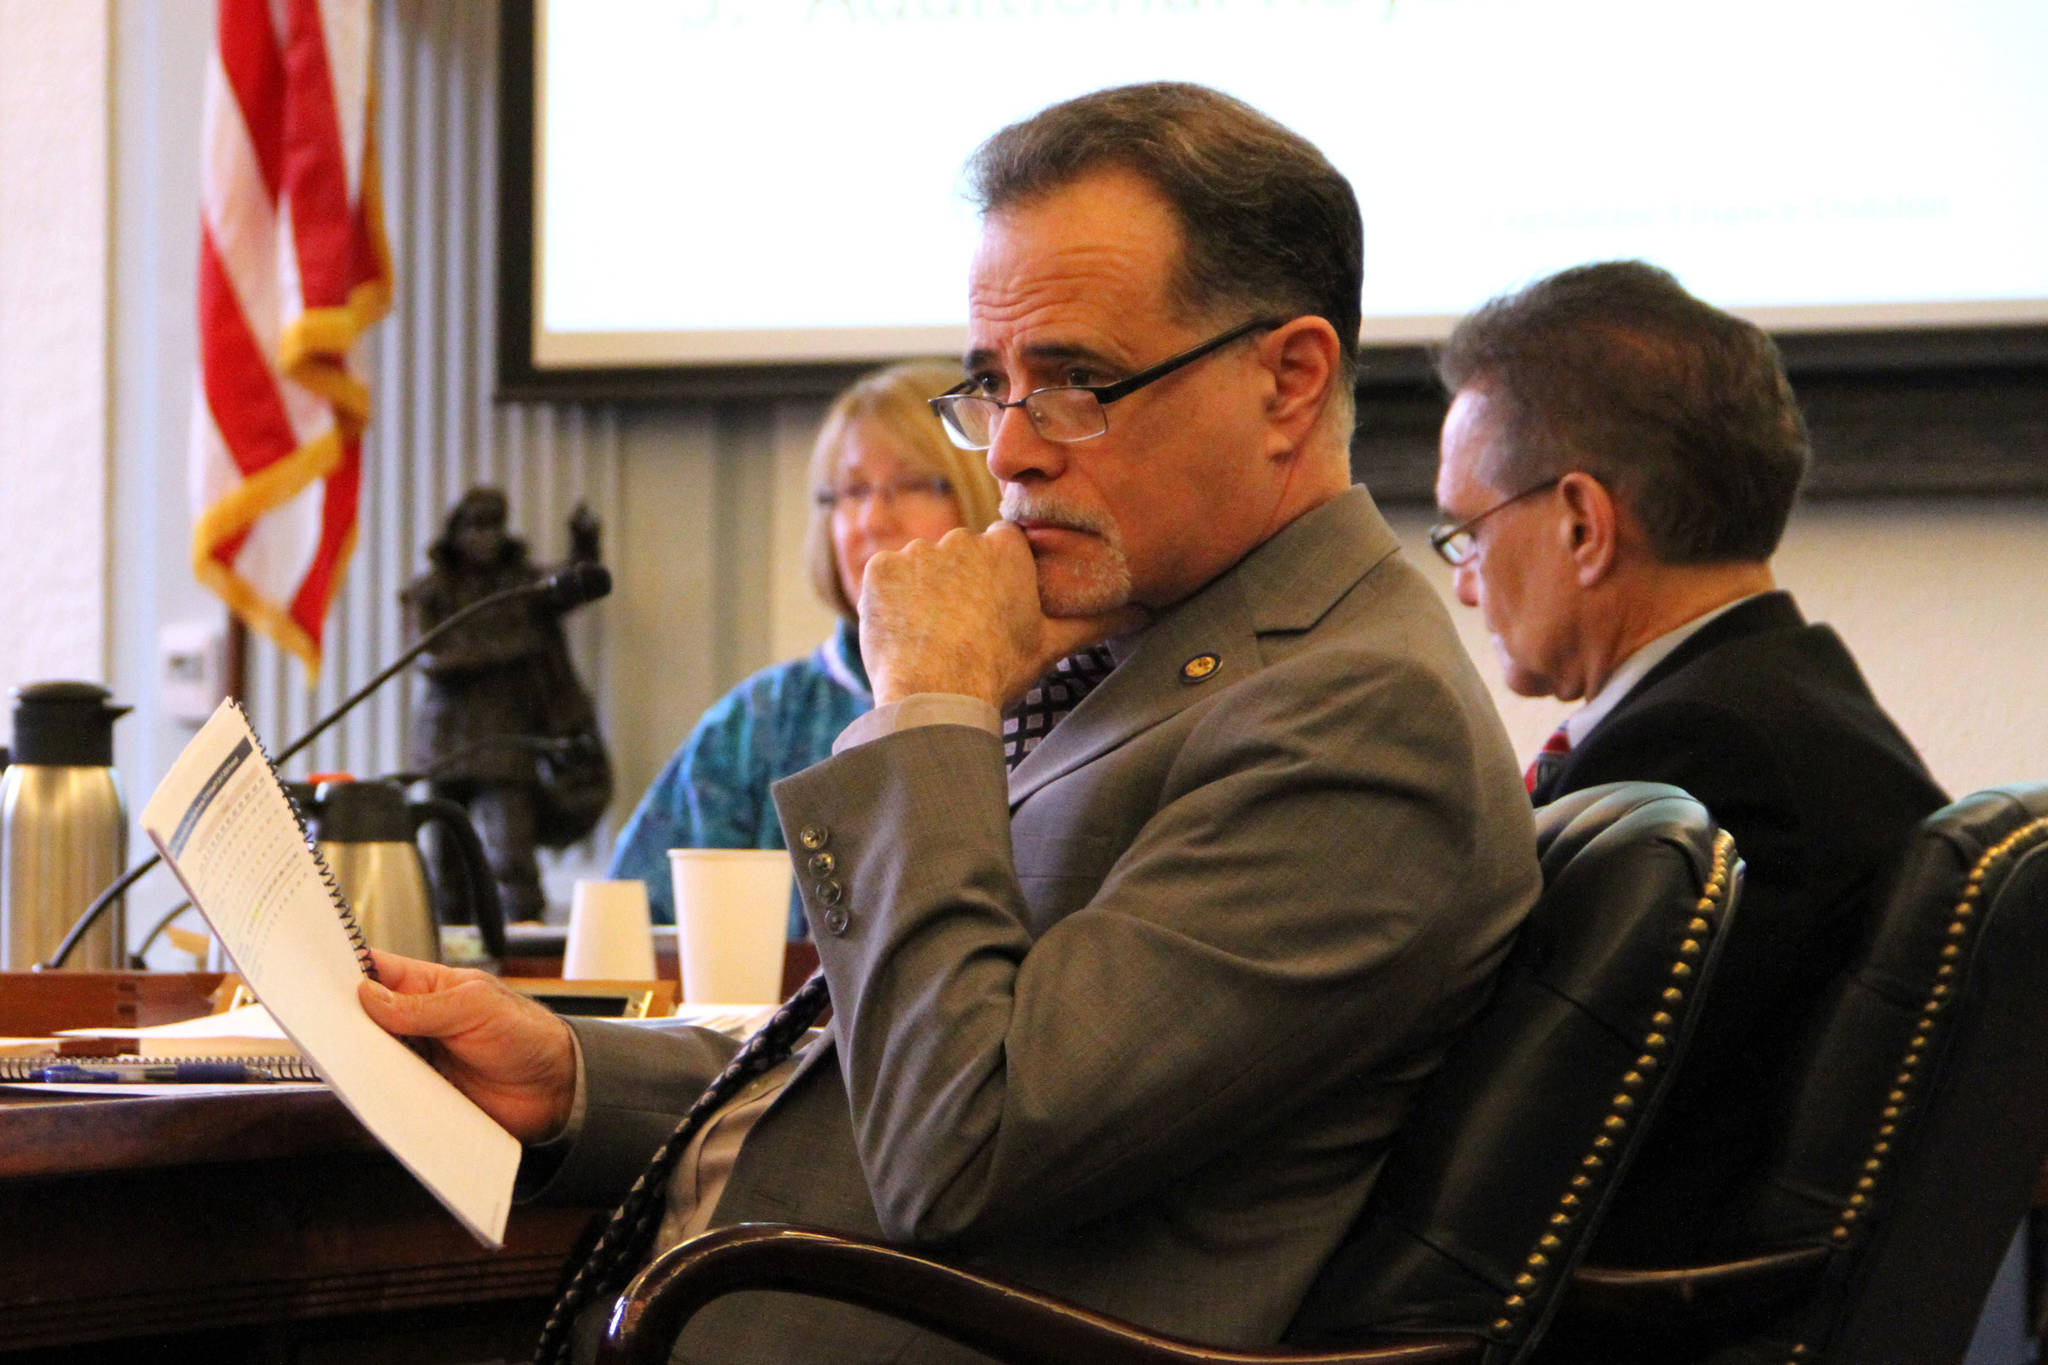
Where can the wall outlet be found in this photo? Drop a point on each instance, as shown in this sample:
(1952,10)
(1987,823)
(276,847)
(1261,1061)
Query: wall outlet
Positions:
(192,664)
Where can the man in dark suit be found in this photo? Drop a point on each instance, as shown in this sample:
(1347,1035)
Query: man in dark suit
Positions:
(1127,1002)
(1618,463)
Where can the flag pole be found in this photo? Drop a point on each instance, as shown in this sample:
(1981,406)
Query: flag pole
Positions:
(235,664)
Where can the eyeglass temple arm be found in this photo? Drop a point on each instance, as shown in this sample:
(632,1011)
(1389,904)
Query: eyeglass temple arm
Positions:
(1109,393)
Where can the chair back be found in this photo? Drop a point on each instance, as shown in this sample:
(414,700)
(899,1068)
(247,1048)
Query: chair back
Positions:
(1913,1139)
(1498,1177)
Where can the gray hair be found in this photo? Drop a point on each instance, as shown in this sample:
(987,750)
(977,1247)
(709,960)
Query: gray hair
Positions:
(1269,226)
(1684,411)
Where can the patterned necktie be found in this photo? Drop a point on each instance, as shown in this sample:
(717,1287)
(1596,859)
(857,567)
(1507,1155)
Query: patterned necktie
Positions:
(623,1244)
(1057,693)
(1543,768)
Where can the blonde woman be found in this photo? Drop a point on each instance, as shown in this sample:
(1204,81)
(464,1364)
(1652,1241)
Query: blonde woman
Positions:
(883,474)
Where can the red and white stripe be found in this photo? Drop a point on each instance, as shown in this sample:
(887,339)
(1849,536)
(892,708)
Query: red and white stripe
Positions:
(293,268)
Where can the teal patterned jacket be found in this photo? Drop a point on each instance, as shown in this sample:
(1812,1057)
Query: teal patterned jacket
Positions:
(713,793)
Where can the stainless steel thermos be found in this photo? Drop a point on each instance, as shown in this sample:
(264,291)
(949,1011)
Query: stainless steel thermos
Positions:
(63,831)
(369,834)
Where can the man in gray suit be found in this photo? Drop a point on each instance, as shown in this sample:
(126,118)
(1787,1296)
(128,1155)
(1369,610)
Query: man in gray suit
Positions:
(1133,1021)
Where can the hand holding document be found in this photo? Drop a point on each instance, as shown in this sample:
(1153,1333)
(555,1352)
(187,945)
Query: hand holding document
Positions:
(224,825)
(505,1051)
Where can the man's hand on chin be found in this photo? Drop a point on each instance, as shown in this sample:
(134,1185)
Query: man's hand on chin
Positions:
(963,616)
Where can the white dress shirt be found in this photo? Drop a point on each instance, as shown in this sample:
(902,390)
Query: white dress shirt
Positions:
(1634,669)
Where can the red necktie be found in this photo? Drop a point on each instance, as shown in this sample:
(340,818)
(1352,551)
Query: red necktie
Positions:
(1548,759)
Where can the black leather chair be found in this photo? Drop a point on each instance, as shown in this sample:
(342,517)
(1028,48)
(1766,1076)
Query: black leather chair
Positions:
(1488,1194)
(1909,1148)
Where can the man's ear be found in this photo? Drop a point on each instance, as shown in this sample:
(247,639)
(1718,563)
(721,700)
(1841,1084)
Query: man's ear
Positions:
(1590,527)
(1302,356)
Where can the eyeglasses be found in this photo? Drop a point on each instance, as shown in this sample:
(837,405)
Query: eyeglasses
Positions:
(1068,412)
(1455,541)
(920,490)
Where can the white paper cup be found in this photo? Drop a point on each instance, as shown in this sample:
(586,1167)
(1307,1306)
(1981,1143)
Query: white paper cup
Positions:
(732,921)
(611,937)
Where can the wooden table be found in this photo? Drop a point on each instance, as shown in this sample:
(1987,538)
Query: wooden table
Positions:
(260,1225)
(273,1213)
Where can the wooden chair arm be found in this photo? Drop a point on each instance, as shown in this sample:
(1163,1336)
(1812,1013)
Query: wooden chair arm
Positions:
(1015,1325)
(1694,1297)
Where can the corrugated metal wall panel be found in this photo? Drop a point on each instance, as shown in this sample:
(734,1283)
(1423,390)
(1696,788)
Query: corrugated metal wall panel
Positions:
(436,432)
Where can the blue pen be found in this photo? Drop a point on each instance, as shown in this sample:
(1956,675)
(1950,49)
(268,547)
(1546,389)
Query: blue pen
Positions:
(153,1073)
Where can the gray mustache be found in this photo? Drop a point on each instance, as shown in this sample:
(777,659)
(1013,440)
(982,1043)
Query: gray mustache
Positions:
(1052,512)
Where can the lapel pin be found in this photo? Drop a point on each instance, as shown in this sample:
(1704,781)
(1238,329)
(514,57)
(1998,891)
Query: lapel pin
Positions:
(1200,668)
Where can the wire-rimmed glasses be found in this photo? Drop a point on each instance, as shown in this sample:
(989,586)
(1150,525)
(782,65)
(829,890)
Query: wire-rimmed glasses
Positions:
(1455,541)
(1066,412)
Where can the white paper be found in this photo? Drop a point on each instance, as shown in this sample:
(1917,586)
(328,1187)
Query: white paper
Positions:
(734,1021)
(247,1031)
(244,1021)
(224,825)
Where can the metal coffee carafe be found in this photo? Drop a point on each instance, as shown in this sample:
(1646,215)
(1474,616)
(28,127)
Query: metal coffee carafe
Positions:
(368,833)
(63,831)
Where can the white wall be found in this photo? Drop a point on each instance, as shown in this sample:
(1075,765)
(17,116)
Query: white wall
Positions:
(158,63)
(53,342)
(1946,606)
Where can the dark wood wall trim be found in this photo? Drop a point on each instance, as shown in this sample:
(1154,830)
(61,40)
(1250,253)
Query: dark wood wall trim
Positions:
(1909,433)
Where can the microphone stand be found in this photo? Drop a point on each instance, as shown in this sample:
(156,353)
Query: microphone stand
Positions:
(565,588)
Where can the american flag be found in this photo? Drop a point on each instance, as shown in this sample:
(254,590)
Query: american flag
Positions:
(293,267)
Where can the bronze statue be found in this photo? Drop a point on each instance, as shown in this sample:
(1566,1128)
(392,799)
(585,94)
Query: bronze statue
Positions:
(502,724)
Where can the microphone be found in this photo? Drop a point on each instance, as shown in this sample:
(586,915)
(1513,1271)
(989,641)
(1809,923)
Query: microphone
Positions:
(569,586)
(574,584)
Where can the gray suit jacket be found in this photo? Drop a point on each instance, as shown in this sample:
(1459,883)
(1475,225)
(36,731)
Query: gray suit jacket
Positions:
(1135,1026)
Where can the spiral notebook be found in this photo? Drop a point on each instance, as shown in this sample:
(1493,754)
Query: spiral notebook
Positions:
(226,827)
(282,1068)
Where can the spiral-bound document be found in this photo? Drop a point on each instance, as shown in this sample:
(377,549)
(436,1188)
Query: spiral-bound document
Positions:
(223,822)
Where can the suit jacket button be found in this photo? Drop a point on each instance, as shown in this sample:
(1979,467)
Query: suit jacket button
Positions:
(830,892)
(814,837)
(836,920)
(823,864)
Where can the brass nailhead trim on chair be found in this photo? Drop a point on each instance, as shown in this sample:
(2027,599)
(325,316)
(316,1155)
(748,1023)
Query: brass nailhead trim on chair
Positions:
(2019,841)
(1699,923)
